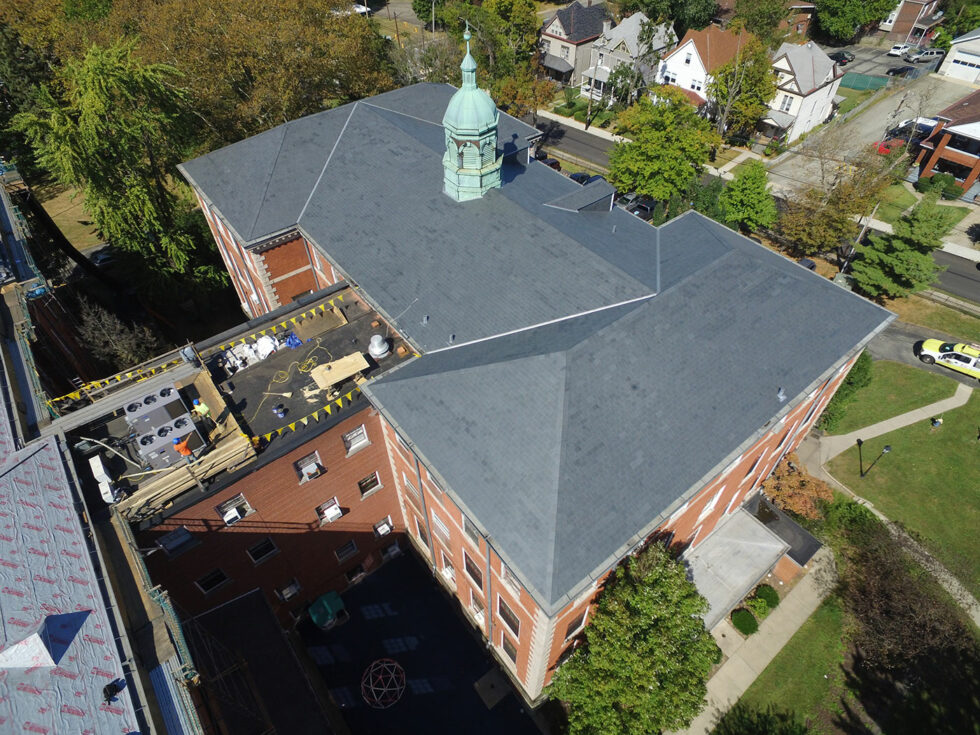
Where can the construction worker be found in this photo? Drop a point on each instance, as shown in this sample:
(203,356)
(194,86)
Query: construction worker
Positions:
(180,446)
(203,412)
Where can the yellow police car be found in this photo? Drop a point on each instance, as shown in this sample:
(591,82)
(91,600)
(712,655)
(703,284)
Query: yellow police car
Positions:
(962,358)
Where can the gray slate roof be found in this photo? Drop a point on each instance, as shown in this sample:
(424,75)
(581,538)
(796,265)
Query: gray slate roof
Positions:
(970,36)
(628,32)
(580,23)
(809,62)
(600,369)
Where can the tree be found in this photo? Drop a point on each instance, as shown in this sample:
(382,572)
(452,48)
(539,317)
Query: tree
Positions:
(791,488)
(112,340)
(762,19)
(423,10)
(523,93)
(857,378)
(741,89)
(706,197)
(814,223)
(504,32)
(644,665)
(669,147)
(746,200)
(624,82)
(22,71)
(685,14)
(421,60)
(901,263)
(842,19)
(112,128)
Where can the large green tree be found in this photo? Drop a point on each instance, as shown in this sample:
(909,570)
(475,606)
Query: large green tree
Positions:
(746,200)
(670,143)
(842,19)
(644,665)
(741,89)
(901,263)
(111,127)
(684,14)
(22,71)
(762,18)
(815,223)
(504,33)
(523,92)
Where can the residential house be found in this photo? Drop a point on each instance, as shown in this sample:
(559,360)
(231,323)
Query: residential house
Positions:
(621,45)
(963,59)
(807,83)
(799,16)
(566,39)
(954,145)
(546,419)
(911,21)
(697,56)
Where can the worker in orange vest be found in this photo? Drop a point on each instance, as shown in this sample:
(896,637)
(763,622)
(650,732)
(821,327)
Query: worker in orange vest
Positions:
(180,445)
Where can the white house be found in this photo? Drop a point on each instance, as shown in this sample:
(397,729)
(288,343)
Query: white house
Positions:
(621,45)
(697,56)
(963,59)
(806,84)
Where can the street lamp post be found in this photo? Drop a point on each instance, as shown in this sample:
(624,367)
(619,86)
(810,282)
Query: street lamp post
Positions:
(884,450)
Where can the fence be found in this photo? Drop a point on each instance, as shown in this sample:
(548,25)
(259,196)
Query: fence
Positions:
(853,80)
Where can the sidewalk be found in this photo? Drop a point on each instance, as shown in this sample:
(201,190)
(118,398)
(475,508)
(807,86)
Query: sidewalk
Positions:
(748,657)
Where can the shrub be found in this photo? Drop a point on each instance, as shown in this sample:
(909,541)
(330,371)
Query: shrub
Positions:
(938,183)
(859,377)
(792,489)
(581,115)
(953,191)
(769,594)
(744,622)
(564,110)
(571,94)
(758,606)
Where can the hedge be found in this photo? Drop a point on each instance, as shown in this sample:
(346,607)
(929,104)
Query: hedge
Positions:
(769,594)
(744,622)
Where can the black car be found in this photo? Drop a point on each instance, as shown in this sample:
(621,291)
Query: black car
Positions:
(842,57)
(899,71)
(596,177)
(551,162)
(579,177)
(642,208)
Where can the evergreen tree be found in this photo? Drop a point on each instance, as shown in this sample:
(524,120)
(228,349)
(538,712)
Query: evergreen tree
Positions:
(746,200)
(645,662)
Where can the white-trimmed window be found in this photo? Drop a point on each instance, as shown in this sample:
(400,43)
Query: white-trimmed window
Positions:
(329,512)
(508,616)
(309,467)
(212,581)
(232,511)
(575,624)
(345,551)
(688,57)
(420,532)
(288,591)
(473,570)
(509,579)
(441,529)
(409,486)
(264,549)
(564,53)
(476,605)
(383,527)
(509,648)
(369,484)
(176,542)
(786,103)
(471,531)
(356,439)
(448,570)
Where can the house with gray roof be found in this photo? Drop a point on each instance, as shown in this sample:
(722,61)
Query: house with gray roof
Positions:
(621,44)
(566,38)
(963,59)
(807,81)
(582,381)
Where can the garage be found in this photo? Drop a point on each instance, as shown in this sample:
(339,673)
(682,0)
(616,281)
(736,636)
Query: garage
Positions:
(964,66)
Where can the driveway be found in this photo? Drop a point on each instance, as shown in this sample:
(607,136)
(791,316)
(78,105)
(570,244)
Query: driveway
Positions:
(798,169)
(895,344)
(961,277)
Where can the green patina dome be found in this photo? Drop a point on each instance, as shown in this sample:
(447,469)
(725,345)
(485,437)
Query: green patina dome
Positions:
(470,109)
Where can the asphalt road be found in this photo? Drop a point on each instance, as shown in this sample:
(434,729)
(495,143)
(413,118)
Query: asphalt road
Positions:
(961,277)
(579,143)
(896,343)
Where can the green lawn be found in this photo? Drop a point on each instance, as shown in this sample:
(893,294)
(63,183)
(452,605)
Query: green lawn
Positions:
(725,155)
(928,482)
(854,98)
(894,389)
(925,313)
(805,677)
(739,167)
(961,212)
(895,200)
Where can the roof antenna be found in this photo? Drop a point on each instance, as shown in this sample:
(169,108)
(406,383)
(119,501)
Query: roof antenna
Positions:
(425,319)
(781,394)
(452,338)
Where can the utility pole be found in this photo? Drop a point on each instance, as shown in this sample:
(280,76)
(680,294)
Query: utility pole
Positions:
(398,38)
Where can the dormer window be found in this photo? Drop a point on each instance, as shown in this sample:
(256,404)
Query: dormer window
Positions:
(687,58)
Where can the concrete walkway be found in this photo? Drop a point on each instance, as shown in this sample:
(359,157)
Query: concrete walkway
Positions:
(748,657)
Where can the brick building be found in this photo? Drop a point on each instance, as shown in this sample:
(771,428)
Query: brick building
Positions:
(953,146)
(580,381)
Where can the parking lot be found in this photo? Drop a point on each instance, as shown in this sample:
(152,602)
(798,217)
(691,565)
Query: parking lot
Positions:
(871,60)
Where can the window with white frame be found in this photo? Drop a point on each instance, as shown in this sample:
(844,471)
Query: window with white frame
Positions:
(687,58)
(329,512)
(232,511)
(288,591)
(509,648)
(476,605)
(345,551)
(575,624)
(546,45)
(409,486)
(356,439)
(473,570)
(786,103)
(508,616)
(264,549)
(602,57)
(696,85)
(448,570)
(441,530)
(176,542)
(309,467)
(508,577)
(420,532)
(670,77)
(564,52)
(471,531)
(369,484)
(402,442)
(212,580)
(383,527)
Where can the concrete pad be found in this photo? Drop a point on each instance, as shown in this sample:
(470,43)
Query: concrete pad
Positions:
(492,687)
(727,638)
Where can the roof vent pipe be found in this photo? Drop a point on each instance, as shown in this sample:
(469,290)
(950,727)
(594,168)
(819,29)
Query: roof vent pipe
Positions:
(378,347)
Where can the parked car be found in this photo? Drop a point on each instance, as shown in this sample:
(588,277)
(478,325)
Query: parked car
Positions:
(625,200)
(595,177)
(551,162)
(899,48)
(962,358)
(580,177)
(642,208)
(929,54)
(842,57)
(899,71)
(808,264)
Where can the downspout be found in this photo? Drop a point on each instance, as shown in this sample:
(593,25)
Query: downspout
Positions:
(425,514)
(489,598)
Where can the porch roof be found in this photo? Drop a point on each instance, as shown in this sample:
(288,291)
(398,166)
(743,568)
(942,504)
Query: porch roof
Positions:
(554,63)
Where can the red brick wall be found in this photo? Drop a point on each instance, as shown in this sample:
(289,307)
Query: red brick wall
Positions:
(285,511)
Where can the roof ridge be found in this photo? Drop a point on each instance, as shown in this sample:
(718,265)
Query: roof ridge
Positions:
(326,163)
(403,114)
(550,592)
(268,182)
